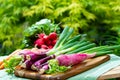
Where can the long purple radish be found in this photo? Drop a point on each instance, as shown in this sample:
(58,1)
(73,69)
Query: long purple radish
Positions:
(72,59)
(44,68)
(38,64)
(33,56)
(23,53)
(27,64)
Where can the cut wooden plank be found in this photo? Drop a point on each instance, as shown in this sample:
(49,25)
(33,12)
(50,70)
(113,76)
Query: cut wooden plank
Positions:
(86,65)
(113,73)
(116,68)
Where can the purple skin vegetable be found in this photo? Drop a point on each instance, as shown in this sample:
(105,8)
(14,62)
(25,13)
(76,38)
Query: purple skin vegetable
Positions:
(33,56)
(38,64)
(23,53)
(72,59)
(44,68)
(39,51)
(27,64)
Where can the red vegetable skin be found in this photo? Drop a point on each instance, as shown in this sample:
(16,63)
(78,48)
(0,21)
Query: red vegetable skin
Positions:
(44,47)
(39,42)
(49,42)
(38,64)
(50,47)
(53,36)
(54,42)
(41,35)
(72,59)
(45,38)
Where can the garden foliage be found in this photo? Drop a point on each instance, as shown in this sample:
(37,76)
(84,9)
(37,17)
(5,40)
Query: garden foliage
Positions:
(100,19)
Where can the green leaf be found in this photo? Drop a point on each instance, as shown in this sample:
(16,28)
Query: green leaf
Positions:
(12,63)
(55,68)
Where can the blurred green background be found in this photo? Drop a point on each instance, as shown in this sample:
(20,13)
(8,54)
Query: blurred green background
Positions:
(99,19)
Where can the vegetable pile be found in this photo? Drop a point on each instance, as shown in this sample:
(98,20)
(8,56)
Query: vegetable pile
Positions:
(58,54)
(44,63)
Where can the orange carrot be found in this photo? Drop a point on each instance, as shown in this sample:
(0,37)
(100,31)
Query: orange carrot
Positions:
(2,66)
(9,56)
(1,62)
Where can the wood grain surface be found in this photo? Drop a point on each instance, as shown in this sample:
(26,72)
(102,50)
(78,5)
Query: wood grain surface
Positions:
(86,65)
(113,73)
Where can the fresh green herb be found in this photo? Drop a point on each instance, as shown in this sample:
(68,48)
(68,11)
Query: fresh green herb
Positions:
(12,63)
(55,68)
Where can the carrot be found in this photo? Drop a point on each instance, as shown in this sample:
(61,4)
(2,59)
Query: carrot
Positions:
(1,62)
(2,66)
(52,36)
(9,56)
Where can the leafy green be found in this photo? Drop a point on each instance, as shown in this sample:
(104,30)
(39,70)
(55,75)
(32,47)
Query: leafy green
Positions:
(12,63)
(55,68)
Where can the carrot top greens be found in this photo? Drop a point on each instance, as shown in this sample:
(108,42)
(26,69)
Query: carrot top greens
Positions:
(12,63)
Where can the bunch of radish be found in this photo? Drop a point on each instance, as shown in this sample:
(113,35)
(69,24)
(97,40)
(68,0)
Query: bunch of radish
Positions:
(46,41)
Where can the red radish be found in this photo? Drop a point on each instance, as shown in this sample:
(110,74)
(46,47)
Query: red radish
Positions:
(54,42)
(53,36)
(39,42)
(45,38)
(48,42)
(44,46)
(41,35)
(72,59)
(50,47)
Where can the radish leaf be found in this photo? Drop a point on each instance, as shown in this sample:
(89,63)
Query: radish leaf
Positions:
(55,68)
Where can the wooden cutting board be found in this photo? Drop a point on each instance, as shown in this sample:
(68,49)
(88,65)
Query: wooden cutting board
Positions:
(86,65)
